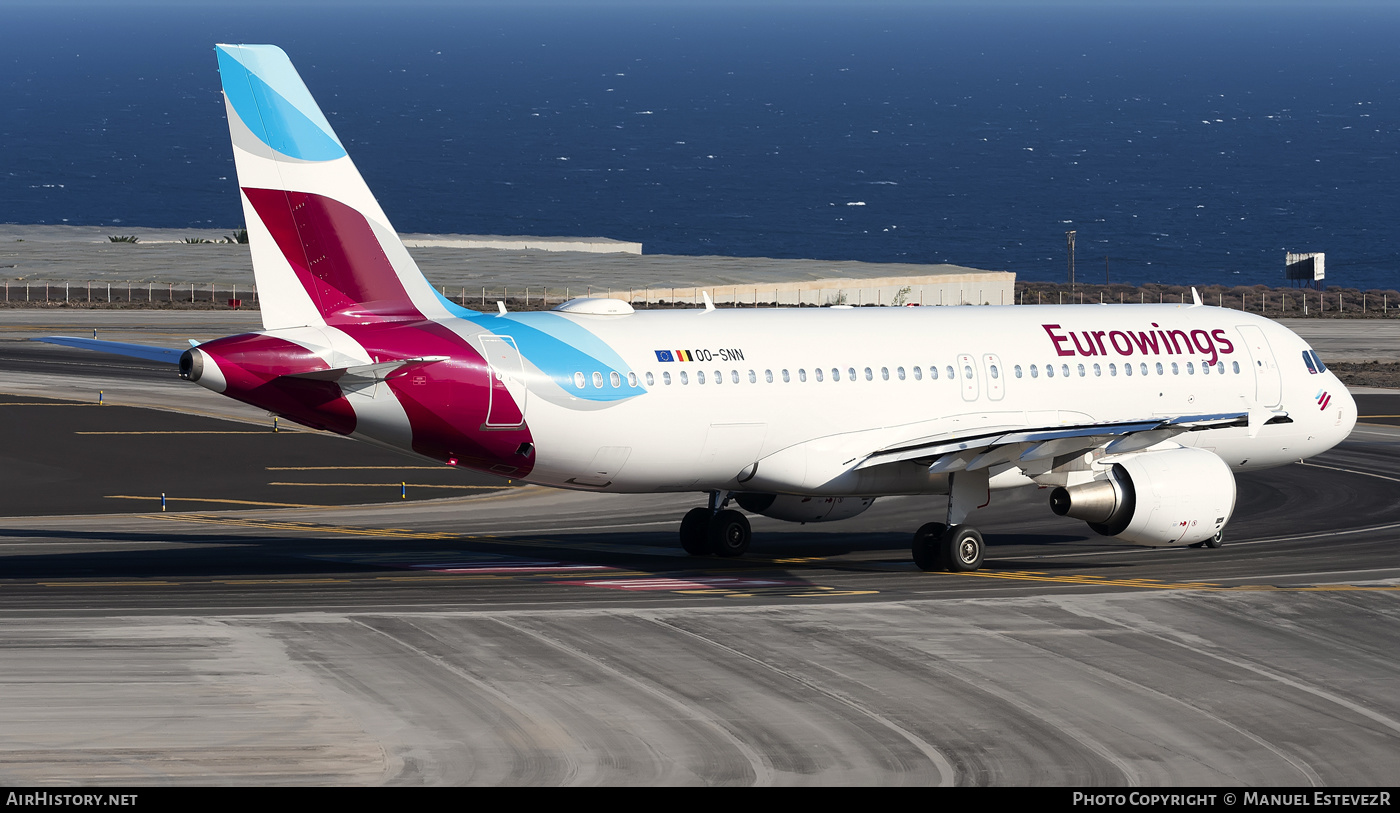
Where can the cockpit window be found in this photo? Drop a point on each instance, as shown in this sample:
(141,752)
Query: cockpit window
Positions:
(1308,360)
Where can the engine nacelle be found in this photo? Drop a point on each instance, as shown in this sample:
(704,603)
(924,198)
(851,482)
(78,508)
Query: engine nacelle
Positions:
(1166,498)
(803,509)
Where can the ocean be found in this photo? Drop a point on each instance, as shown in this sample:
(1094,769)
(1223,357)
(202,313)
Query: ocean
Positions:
(1184,145)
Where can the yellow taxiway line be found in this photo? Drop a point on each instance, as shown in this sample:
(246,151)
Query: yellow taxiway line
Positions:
(214,499)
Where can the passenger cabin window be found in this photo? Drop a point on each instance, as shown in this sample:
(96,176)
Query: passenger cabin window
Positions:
(885,374)
(1081,370)
(1127,369)
(918,374)
(651,380)
(1049,371)
(685,379)
(631,379)
(578,380)
(951,374)
(1159,369)
(1144,368)
(933,372)
(1035,371)
(1018,371)
(614,379)
(734,376)
(753,377)
(786,380)
(699,376)
(1112,370)
(900,372)
(597,380)
(1235,365)
(1097,370)
(666,379)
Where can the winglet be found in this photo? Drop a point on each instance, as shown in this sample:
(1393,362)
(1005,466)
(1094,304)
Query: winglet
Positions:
(709,303)
(1196,298)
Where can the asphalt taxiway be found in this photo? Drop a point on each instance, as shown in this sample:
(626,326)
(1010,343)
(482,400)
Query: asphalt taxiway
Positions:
(509,635)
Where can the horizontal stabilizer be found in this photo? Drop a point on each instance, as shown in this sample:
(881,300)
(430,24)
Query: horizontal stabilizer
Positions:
(140,351)
(364,372)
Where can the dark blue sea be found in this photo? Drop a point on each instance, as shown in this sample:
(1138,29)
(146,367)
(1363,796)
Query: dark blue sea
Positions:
(1183,144)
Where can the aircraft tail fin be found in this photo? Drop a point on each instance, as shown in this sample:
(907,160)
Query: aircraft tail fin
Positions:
(322,249)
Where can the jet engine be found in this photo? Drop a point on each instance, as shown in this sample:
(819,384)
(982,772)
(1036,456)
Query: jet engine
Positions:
(803,509)
(1172,497)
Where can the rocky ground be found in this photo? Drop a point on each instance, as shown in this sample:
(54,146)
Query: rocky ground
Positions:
(1333,302)
(1367,373)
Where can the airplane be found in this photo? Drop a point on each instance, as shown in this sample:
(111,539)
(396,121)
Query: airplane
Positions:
(1136,417)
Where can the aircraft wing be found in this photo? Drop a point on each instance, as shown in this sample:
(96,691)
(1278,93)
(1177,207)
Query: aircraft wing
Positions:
(1024,445)
(140,351)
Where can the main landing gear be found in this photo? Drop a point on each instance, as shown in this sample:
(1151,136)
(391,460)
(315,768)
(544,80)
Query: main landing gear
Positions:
(953,545)
(715,530)
(958,549)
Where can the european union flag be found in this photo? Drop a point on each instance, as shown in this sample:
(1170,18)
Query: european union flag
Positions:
(664,355)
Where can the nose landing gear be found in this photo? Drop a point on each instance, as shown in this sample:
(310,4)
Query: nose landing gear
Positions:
(1214,542)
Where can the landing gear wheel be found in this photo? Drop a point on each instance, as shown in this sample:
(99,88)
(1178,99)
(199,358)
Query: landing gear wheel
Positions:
(695,532)
(729,533)
(962,548)
(1215,541)
(925,547)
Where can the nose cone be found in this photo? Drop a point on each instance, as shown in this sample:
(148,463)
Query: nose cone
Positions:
(1346,416)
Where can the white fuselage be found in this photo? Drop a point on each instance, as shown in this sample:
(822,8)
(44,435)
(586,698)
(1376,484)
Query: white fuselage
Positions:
(838,384)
